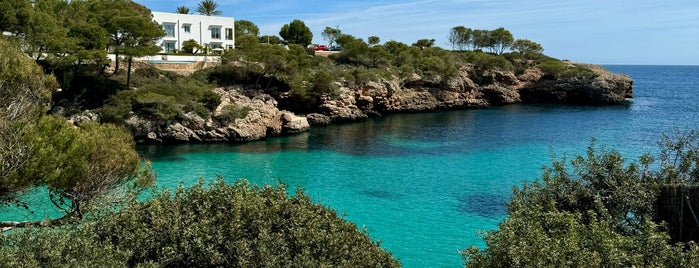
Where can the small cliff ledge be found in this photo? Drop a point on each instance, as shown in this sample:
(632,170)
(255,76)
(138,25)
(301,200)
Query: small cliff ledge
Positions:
(274,113)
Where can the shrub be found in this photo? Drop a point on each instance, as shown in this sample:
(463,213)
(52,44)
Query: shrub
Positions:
(156,106)
(220,225)
(597,210)
(119,107)
(484,60)
(560,69)
(231,112)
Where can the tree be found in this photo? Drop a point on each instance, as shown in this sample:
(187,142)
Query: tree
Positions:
(246,27)
(246,34)
(296,32)
(373,40)
(78,164)
(502,40)
(526,46)
(25,93)
(208,8)
(217,225)
(460,37)
(270,39)
(182,10)
(132,31)
(482,39)
(596,211)
(424,43)
(15,16)
(330,34)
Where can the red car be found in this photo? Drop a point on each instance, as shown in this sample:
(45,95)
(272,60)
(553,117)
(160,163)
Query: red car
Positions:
(320,47)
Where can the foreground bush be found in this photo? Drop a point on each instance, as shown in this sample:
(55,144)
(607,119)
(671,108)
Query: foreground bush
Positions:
(222,226)
(599,210)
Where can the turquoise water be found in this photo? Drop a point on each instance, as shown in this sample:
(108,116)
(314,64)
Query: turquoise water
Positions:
(426,184)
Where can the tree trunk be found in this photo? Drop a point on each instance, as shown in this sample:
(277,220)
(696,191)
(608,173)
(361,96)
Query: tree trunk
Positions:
(128,72)
(116,62)
(73,216)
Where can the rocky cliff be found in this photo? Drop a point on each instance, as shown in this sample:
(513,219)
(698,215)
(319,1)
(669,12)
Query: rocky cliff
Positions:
(494,87)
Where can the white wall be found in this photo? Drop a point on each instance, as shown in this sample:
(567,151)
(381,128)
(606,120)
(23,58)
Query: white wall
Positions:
(200,30)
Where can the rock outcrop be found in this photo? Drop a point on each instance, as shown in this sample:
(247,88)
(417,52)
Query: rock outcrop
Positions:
(461,92)
(469,89)
(262,120)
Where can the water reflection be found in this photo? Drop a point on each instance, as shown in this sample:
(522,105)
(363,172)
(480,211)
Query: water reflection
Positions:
(453,132)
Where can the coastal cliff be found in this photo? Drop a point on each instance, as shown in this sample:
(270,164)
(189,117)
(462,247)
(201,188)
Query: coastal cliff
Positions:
(273,113)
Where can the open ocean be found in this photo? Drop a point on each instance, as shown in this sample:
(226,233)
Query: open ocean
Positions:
(426,184)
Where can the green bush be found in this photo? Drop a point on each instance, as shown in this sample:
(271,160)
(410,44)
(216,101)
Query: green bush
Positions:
(119,107)
(157,106)
(597,210)
(231,112)
(220,225)
(484,60)
(560,69)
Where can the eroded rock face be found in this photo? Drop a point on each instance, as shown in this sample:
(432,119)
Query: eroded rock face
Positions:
(461,92)
(263,120)
(412,94)
(603,88)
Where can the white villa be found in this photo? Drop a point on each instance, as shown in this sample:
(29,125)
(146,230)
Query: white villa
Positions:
(215,32)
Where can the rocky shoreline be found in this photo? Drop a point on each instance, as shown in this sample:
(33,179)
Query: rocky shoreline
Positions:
(270,113)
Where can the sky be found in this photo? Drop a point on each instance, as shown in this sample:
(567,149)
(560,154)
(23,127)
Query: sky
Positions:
(653,32)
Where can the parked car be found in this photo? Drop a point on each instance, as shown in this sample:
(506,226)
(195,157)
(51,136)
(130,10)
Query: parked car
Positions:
(335,48)
(320,47)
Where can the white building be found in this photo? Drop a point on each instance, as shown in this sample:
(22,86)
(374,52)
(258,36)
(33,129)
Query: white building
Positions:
(215,32)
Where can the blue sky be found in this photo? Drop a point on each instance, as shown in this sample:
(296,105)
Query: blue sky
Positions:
(592,31)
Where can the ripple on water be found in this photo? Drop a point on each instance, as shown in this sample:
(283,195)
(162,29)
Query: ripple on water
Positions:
(380,194)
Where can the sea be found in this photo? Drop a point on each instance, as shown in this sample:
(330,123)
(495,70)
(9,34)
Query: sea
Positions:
(427,185)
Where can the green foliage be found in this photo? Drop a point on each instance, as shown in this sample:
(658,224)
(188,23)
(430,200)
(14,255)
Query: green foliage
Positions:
(15,16)
(330,34)
(182,10)
(595,211)
(460,37)
(220,225)
(246,27)
(25,95)
(156,106)
(79,164)
(373,40)
(130,28)
(502,39)
(424,43)
(231,112)
(559,69)
(296,32)
(191,46)
(208,8)
(486,61)
(526,46)
(161,96)
(270,40)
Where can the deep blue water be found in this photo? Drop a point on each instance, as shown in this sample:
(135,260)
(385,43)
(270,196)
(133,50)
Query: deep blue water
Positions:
(426,184)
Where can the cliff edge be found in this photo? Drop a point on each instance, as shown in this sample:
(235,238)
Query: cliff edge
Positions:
(274,113)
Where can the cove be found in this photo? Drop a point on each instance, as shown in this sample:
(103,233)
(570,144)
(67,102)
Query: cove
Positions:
(426,184)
